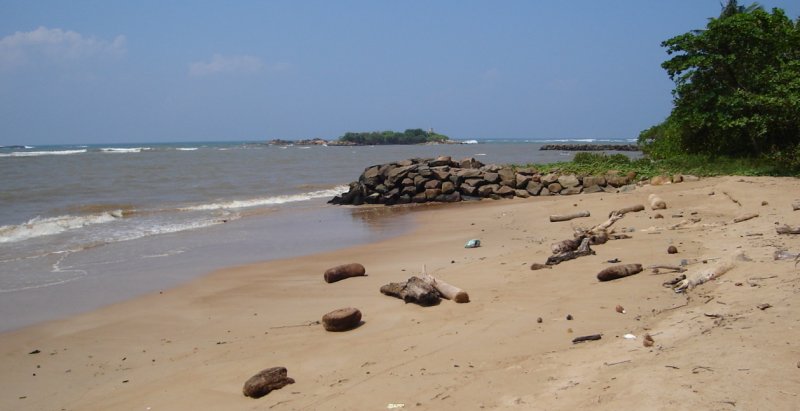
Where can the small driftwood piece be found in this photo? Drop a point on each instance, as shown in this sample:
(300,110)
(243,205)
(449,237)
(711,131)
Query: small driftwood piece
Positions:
(341,272)
(745,217)
(583,250)
(630,209)
(539,266)
(656,203)
(619,271)
(266,381)
(704,276)
(593,337)
(606,224)
(566,217)
(619,237)
(343,319)
(448,291)
(673,268)
(685,223)
(415,290)
(796,205)
(785,229)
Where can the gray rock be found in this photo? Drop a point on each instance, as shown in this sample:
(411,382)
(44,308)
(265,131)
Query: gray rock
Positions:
(508,177)
(589,181)
(522,180)
(470,163)
(468,190)
(568,181)
(441,173)
(491,178)
(571,191)
(441,161)
(522,193)
(554,187)
(431,193)
(469,173)
(592,189)
(549,179)
(448,187)
(505,191)
(487,190)
(433,184)
(534,188)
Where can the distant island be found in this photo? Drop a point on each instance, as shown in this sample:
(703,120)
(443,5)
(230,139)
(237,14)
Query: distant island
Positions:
(374,138)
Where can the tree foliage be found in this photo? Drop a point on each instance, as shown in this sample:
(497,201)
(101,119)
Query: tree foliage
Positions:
(410,136)
(737,85)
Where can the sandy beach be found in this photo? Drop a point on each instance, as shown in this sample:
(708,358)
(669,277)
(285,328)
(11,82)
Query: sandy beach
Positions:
(716,347)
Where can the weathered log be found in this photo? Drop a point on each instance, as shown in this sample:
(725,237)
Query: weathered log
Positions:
(704,276)
(341,272)
(796,205)
(745,217)
(539,266)
(785,229)
(606,224)
(593,337)
(599,238)
(448,291)
(566,217)
(630,209)
(265,381)
(564,246)
(656,203)
(343,319)
(583,250)
(415,290)
(619,271)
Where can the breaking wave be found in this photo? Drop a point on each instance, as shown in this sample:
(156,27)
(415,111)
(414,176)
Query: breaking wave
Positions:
(264,201)
(42,153)
(39,227)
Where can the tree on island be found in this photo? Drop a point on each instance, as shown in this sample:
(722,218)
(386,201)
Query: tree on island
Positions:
(737,87)
(410,136)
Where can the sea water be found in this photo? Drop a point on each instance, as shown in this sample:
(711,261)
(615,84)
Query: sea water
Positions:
(82,226)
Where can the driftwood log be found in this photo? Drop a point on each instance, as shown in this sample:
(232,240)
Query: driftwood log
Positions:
(539,266)
(704,276)
(619,271)
(745,217)
(415,290)
(564,246)
(566,217)
(582,250)
(448,291)
(785,229)
(341,272)
(630,209)
(673,268)
(343,319)
(796,205)
(656,203)
(265,381)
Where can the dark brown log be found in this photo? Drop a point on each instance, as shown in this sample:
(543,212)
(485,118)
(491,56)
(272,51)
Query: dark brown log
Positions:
(448,291)
(630,209)
(785,229)
(415,290)
(265,381)
(343,319)
(593,337)
(583,250)
(619,271)
(341,272)
(566,217)
(796,205)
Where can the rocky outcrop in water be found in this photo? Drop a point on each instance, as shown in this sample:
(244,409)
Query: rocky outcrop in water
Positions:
(444,180)
(591,147)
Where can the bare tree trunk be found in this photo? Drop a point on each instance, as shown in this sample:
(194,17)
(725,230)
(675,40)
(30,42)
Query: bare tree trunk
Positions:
(566,217)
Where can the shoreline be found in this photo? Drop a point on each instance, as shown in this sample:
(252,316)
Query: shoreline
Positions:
(193,346)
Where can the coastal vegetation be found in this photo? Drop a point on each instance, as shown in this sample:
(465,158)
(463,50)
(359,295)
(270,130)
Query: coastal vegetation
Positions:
(410,136)
(736,97)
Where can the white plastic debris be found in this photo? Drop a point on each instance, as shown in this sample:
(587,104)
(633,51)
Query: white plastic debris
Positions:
(395,406)
(629,337)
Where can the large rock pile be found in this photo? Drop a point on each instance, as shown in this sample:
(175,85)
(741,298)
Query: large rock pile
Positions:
(445,180)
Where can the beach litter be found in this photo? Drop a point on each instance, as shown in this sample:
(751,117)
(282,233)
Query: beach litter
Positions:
(619,271)
(648,341)
(629,337)
(473,243)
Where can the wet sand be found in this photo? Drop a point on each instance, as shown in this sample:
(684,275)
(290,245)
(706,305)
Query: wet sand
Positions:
(192,347)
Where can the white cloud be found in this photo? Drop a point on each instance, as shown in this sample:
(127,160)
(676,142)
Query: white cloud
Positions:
(55,44)
(226,64)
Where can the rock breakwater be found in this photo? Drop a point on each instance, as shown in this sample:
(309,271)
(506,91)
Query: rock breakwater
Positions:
(591,147)
(444,180)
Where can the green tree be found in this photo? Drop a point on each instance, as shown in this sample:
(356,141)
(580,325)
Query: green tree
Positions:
(737,83)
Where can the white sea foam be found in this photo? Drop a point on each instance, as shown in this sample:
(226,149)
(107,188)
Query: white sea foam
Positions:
(469,142)
(39,227)
(123,150)
(186,148)
(41,153)
(264,201)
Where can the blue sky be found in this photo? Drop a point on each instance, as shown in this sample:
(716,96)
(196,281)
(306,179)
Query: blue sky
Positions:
(158,71)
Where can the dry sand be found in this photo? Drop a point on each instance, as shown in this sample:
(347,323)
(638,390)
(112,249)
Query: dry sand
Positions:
(192,348)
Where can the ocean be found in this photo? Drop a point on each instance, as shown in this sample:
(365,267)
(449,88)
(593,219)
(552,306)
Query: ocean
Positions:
(82,226)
